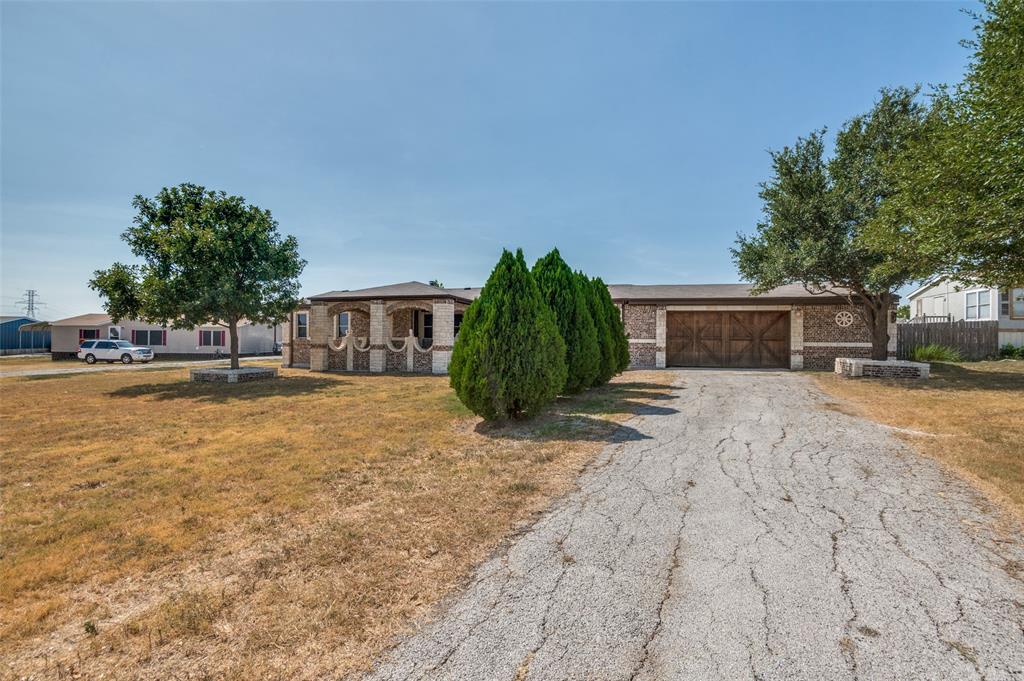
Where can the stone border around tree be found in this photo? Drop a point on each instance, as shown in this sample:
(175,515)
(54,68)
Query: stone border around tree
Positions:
(853,367)
(220,375)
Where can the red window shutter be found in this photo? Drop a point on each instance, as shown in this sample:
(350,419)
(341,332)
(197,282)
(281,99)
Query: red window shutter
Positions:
(220,338)
(133,336)
(200,342)
(163,337)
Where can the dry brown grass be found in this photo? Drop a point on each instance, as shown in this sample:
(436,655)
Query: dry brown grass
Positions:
(289,529)
(27,363)
(968,416)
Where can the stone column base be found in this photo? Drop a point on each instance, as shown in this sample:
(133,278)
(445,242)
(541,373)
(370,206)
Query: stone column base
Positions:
(318,359)
(377,360)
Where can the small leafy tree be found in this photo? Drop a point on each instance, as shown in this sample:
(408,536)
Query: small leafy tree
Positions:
(961,186)
(818,211)
(509,359)
(562,291)
(613,320)
(207,258)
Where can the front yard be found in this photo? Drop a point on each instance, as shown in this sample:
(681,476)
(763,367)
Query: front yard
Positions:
(970,416)
(152,527)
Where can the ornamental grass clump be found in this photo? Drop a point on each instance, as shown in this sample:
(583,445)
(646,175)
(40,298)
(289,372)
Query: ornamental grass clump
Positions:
(933,352)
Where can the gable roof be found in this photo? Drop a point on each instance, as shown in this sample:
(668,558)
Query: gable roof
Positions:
(409,289)
(91,319)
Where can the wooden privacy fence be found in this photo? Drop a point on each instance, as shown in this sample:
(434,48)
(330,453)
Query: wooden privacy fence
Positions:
(974,340)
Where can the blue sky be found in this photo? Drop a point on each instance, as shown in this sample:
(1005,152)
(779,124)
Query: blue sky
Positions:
(414,140)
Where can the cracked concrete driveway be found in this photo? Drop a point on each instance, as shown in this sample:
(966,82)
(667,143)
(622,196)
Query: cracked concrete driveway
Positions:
(743,531)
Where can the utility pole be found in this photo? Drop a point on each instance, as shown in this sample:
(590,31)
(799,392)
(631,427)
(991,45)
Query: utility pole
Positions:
(30,301)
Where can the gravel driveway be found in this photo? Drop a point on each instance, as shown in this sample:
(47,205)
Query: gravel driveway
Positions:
(742,530)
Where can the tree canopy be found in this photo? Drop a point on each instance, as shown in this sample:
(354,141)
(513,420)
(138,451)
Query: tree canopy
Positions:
(207,258)
(509,358)
(817,210)
(959,204)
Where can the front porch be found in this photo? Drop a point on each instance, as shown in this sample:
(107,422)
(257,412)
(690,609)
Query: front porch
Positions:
(401,328)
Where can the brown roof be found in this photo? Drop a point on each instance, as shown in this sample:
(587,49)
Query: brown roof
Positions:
(636,293)
(92,319)
(409,289)
(713,293)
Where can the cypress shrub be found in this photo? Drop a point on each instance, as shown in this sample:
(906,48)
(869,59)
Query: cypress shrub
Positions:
(615,347)
(616,330)
(562,291)
(509,359)
(608,366)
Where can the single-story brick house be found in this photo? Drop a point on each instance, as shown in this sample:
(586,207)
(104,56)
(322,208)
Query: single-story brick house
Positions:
(412,327)
(204,342)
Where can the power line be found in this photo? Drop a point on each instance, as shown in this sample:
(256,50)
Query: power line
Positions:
(29,302)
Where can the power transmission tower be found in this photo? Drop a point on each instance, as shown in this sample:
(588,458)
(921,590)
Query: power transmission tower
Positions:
(30,301)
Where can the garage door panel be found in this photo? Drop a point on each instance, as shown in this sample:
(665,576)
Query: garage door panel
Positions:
(728,339)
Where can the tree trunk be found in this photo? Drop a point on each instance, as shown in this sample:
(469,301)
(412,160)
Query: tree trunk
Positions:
(233,333)
(876,308)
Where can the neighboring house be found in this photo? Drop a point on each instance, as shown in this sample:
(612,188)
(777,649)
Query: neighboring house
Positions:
(253,339)
(957,301)
(17,341)
(412,327)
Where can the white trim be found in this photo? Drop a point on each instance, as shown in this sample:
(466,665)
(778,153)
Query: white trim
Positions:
(643,340)
(728,308)
(924,287)
(830,344)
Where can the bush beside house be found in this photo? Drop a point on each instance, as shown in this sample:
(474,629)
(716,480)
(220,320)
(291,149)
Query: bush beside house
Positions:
(563,293)
(511,356)
(509,359)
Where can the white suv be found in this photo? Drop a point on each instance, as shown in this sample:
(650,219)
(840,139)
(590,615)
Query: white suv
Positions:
(113,351)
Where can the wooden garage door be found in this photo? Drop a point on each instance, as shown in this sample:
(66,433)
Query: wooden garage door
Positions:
(728,339)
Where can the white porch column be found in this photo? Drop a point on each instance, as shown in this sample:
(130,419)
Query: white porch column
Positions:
(660,334)
(796,338)
(377,315)
(286,341)
(444,334)
(319,334)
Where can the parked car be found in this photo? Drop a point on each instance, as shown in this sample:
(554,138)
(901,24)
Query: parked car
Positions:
(112,351)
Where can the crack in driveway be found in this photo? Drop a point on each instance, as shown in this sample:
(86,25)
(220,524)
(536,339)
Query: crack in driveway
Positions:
(742,540)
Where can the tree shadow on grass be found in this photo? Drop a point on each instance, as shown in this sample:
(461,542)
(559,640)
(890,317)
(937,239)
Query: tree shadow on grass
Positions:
(577,417)
(282,386)
(968,377)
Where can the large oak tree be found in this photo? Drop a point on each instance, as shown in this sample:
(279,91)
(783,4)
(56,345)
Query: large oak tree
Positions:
(817,210)
(207,258)
(961,186)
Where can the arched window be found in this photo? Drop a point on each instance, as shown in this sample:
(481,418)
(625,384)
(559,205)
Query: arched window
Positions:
(343,324)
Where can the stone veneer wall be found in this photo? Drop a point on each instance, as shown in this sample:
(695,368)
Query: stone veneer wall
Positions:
(422,362)
(300,352)
(641,324)
(395,361)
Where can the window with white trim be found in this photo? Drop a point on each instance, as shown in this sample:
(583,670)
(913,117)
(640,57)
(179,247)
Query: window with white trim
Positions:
(301,325)
(979,305)
(343,324)
(1017,303)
